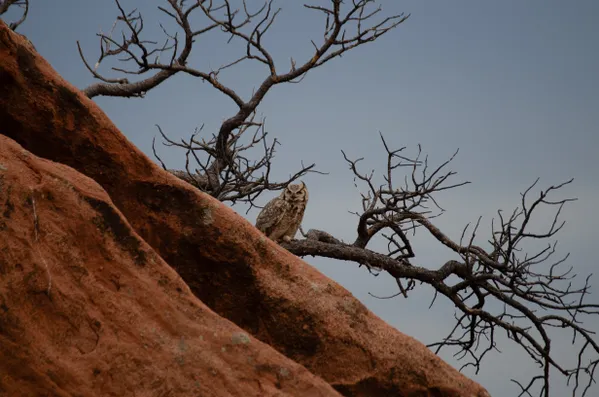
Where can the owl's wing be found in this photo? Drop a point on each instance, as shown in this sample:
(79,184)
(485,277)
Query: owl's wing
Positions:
(270,215)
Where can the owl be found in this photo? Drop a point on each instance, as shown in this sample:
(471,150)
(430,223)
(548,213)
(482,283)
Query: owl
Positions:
(280,219)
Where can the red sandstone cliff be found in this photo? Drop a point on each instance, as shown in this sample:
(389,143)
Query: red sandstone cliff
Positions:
(242,276)
(87,308)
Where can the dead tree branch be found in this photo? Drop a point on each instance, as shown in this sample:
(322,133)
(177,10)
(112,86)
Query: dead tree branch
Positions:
(222,169)
(242,182)
(24,4)
(527,295)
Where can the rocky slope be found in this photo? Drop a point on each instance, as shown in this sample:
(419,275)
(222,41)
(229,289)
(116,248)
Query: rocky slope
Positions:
(88,308)
(225,261)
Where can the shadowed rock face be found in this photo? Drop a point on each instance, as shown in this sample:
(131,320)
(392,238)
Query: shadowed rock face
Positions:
(224,260)
(87,308)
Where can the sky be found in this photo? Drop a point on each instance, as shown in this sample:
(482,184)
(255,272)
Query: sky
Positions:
(513,85)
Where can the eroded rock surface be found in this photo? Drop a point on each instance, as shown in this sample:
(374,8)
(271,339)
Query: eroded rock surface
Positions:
(87,308)
(226,262)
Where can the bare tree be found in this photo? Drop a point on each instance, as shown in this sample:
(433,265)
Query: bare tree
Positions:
(224,171)
(5,5)
(501,288)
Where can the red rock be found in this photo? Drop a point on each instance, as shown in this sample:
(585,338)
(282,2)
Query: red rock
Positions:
(226,262)
(87,308)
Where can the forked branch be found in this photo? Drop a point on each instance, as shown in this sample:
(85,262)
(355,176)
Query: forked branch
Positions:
(348,25)
(23,4)
(248,176)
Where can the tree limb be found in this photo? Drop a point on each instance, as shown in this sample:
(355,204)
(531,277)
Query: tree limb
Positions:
(24,4)
(502,288)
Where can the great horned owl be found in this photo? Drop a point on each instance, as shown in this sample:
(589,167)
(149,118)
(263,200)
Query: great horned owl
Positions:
(280,219)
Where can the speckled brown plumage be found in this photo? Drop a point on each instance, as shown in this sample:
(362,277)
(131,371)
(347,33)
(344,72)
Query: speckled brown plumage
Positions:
(280,219)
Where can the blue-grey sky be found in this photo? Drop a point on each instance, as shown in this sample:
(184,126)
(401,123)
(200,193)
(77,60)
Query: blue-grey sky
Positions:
(512,84)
